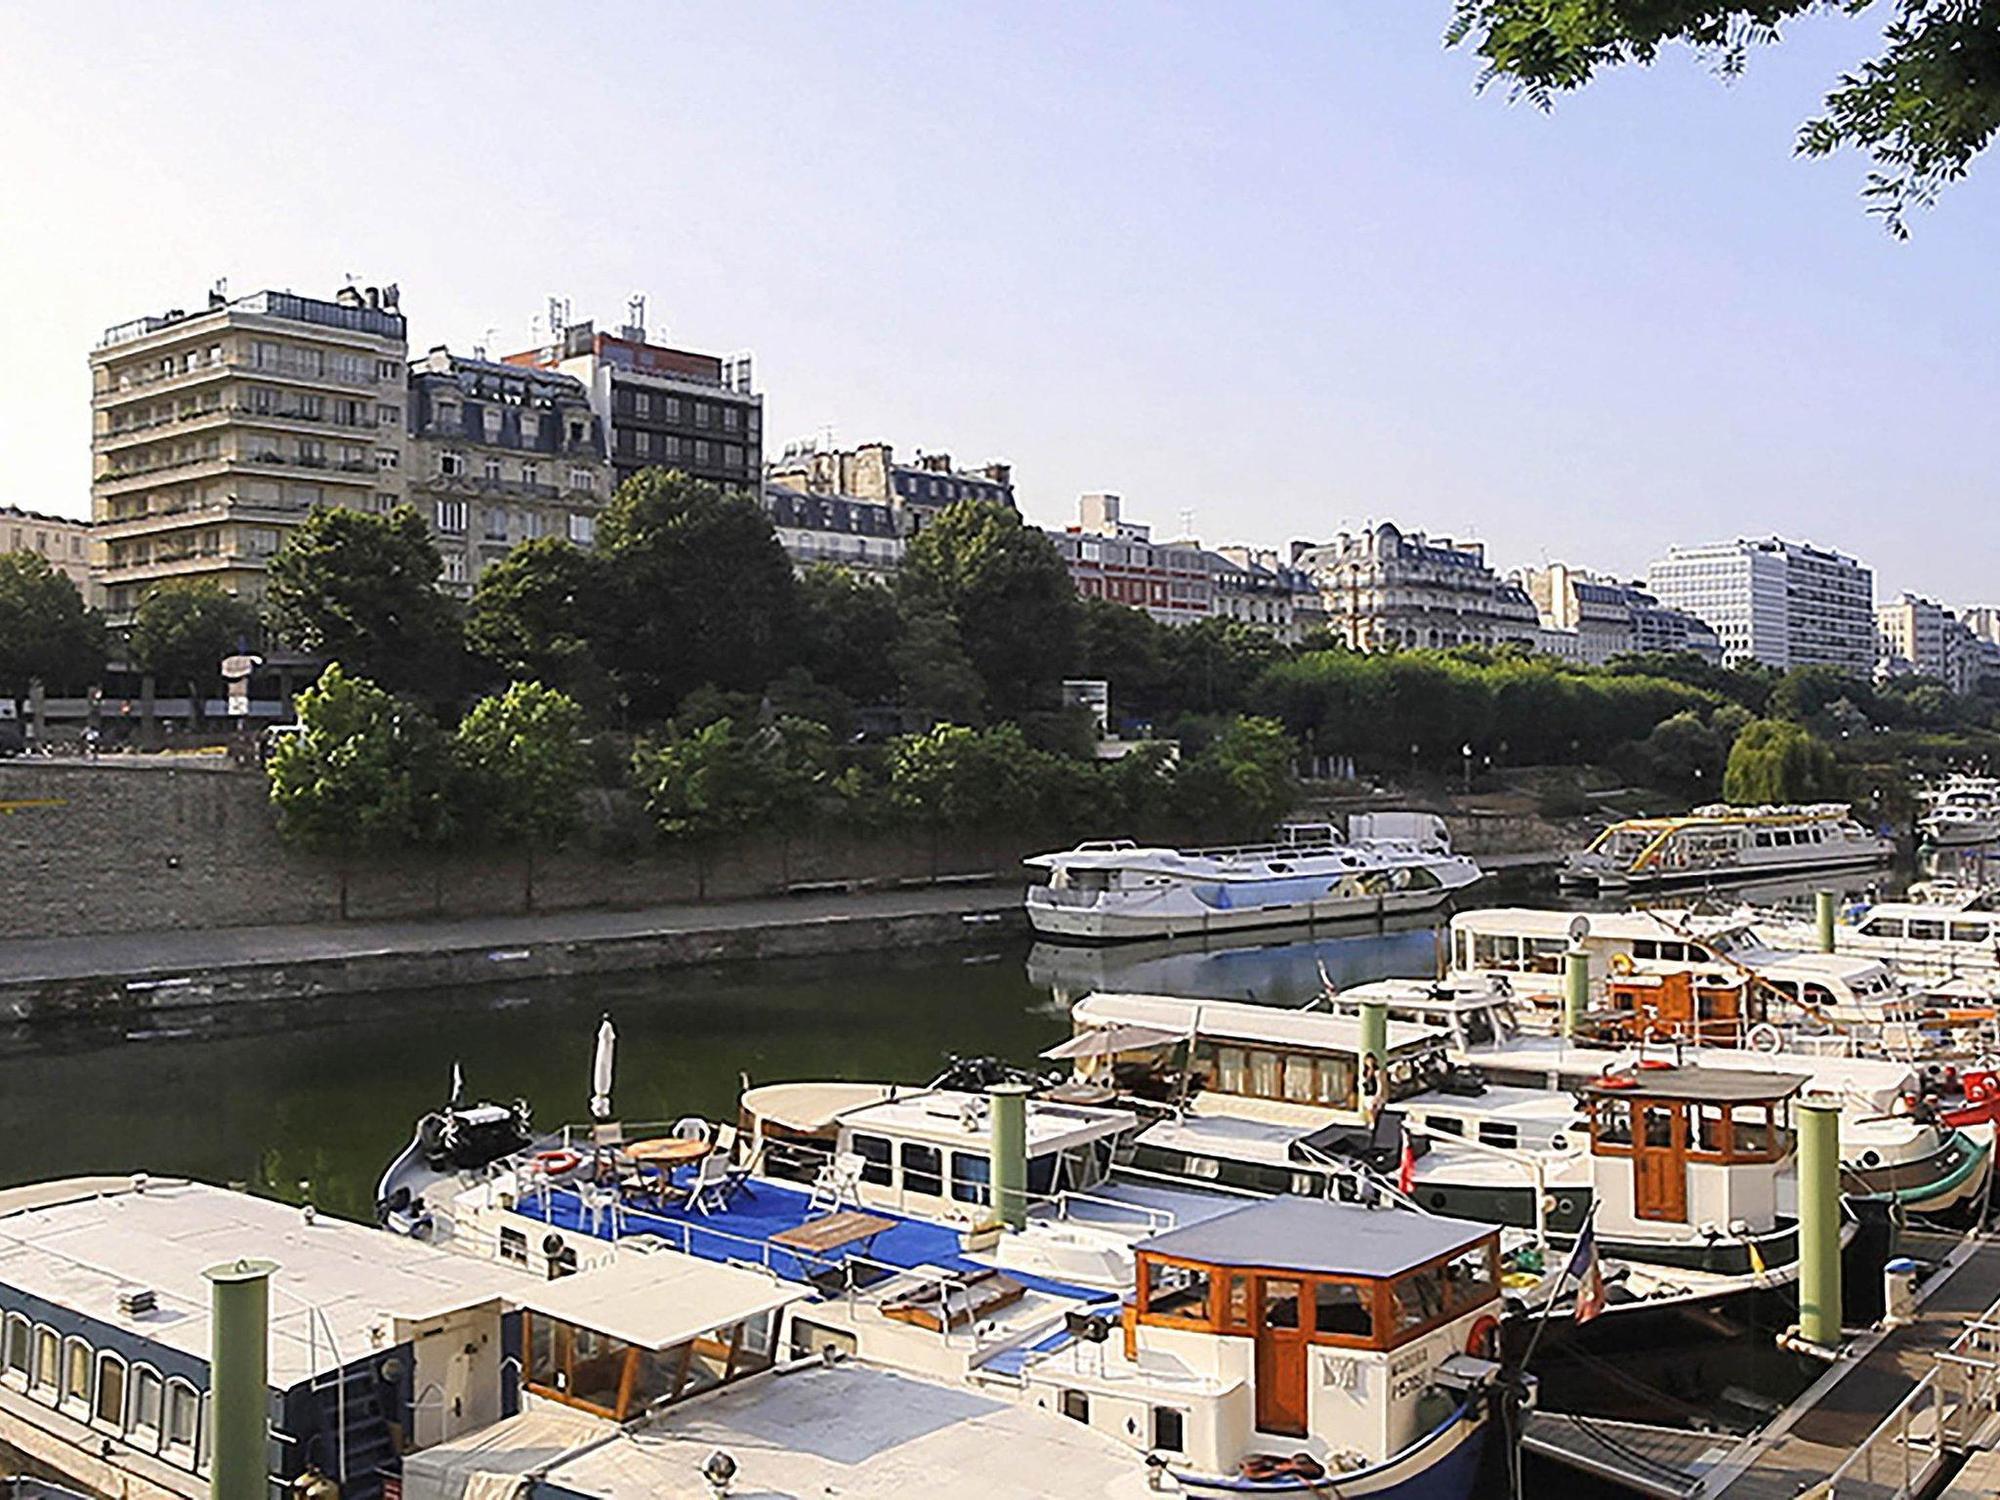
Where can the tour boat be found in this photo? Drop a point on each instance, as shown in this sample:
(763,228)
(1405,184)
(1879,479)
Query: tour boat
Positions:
(1117,889)
(1962,811)
(1720,842)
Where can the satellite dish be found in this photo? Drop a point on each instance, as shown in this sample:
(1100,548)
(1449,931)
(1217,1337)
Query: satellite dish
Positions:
(1579,928)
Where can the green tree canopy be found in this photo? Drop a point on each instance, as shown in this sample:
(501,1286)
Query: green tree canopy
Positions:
(1214,663)
(722,779)
(1923,109)
(1242,784)
(364,772)
(47,634)
(362,589)
(182,630)
(935,677)
(1774,761)
(521,762)
(533,615)
(959,778)
(697,590)
(1006,589)
(1127,648)
(851,629)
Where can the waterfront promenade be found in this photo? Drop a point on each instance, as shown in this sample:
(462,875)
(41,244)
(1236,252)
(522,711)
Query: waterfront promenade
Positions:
(49,977)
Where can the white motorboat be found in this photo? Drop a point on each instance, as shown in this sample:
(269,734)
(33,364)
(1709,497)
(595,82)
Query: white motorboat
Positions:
(1963,811)
(1117,889)
(1720,842)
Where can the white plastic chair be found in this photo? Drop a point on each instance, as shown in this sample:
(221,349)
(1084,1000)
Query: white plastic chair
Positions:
(594,1203)
(839,1179)
(708,1193)
(691,1128)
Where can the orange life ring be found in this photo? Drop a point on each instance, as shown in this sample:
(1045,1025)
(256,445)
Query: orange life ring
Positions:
(557,1163)
(1616,1081)
(1654,1063)
(1484,1339)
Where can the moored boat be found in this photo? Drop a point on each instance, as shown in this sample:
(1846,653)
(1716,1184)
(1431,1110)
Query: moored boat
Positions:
(1722,843)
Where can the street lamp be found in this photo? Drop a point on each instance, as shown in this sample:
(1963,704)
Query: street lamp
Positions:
(1467,753)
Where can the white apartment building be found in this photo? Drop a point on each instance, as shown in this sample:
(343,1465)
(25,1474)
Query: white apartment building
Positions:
(1588,617)
(1386,590)
(61,541)
(1785,604)
(216,431)
(1920,636)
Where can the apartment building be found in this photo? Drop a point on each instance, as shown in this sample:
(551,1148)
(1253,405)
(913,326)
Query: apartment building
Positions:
(1785,604)
(1387,590)
(914,491)
(501,454)
(843,530)
(217,430)
(661,407)
(61,541)
(1111,558)
(1920,636)
(1589,617)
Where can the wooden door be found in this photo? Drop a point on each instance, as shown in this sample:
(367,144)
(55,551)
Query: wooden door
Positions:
(1281,1356)
(1659,1162)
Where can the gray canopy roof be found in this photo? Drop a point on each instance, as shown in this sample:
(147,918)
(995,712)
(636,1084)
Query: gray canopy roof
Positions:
(1314,1236)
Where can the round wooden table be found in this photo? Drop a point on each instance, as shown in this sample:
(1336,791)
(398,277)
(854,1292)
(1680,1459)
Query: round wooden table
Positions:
(670,1151)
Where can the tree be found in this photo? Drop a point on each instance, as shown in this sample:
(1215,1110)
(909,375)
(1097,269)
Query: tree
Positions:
(937,679)
(362,589)
(697,590)
(706,785)
(521,763)
(851,628)
(182,630)
(1127,648)
(1774,761)
(365,773)
(952,777)
(1213,663)
(1923,109)
(1242,783)
(1008,592)
(533,616)
(47,635)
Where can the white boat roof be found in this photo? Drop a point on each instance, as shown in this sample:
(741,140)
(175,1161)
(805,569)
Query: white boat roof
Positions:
(852,1430)
(811,1106)
(940,1115)
(1537,922)
(1238,1020)
(1248,864)
(1958,909)
(1315,1236)
(80,1248)
(659,1300)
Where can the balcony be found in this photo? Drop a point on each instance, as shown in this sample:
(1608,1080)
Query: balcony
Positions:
(153,382)
(134,433)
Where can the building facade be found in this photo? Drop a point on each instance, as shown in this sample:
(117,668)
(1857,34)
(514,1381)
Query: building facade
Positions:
(63,542)
(501,454)
(859,535)
(914,491)
(1785,604)
(664,408)
(1587,617)
(1386,590)
(1921,637)
(216,431)
(1111,558)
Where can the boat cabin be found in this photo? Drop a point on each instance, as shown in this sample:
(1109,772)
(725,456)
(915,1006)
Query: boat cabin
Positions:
(1292,1325)
(648,1330)
(1674,1147)
(1697,1006)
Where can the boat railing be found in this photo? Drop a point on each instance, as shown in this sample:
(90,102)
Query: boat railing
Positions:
(1157,1220)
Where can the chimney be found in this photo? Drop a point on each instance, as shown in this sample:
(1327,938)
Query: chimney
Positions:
(1000,474)
(348,296)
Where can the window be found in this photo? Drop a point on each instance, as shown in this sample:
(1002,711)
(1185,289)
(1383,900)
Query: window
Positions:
(874,1153)
(971,1176)
(582,530)
(76,1373)
(109,1407)
(387,369)
(387,458)
(1177,1291)
(1236,1301)
(385,501)
(514,1246)
(143,1421)
(1301,1079)
(1922,930)
(451,465)
(388,416)
(530,475)
(1232,1070)
(923,1169)
(1968,932)
(1264,1075)
(1417,1299)
(1169,1429)
(48,1354)
(16,1357)
(1469,1278)
(1342,1310)
(183,1415)
(454,567)
(583,480)
(1076,1406)
(451,517)
(1281,1303)
(492,471)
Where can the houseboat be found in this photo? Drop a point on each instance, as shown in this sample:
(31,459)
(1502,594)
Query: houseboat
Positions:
(1724,843)
(1113,890)
(1962,812)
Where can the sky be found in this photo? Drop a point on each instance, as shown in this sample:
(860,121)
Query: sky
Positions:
(1275,269)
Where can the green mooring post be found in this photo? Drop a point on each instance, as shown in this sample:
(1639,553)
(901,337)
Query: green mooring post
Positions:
(1819,1224)
(1374,1057)
(1823,917)
(1576,988)
(1009,1104)
(239,1356)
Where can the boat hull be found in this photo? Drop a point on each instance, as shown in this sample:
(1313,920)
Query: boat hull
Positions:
(1571,875)
(1444,1465)
(1111,924)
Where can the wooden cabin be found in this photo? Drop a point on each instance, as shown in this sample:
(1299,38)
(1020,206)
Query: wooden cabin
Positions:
(1700,1007)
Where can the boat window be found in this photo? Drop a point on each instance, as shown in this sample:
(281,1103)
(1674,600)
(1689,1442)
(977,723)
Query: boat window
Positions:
(1470,1278)
(1232,1070)
(1041,1176)
(1499,1133)
(1818,994)
(1076,1406)
(1645,948)
(1177,1291)
(1883,927)
(874,1153)
(1968,932)
(657,1375)
(1301,1079)
(1336,1082)
(1763,838)
(1264,1075)
(1658,1124)
(1751,1124)
(144,1420)
(1236,1301)
(1711,1129)
(15,1359)
(1281,1303)
(76,1372)
(923,1169)
(1169,1429)
(1418,1298)
(971,1177)
(110,1406)
(183,1414)
(1343,1310)
(596,1367)
(1611,1122)
(1445,1124)
(1462,949)
(1925,930)
(1547,955)
(48,1354)
(1493,950)
(513,1246)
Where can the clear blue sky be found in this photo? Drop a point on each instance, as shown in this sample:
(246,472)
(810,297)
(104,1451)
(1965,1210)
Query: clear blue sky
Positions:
(1277,265)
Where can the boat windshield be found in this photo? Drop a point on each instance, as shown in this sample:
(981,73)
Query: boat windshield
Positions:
(1489,1024)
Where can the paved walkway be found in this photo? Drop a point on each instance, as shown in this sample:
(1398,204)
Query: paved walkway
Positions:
(111,955)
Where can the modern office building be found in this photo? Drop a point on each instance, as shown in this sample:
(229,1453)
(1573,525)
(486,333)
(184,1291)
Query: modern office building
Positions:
(1111,558)
(63,542)
(663,408)
(1387,590)
(501,454)
(915,491)
(844,530)
(215,431)
(1785,604)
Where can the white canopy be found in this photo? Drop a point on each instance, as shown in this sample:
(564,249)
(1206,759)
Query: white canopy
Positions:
(1103,1041)
(659,1300)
